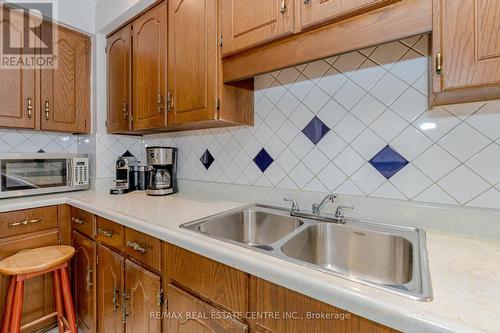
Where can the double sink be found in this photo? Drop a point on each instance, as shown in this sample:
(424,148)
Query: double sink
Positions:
(389,257)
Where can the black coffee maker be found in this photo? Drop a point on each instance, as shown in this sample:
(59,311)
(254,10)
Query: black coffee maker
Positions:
(126,169)
(163,170)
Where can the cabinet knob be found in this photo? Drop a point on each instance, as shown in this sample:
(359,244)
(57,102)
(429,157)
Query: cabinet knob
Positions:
(106,233)
(136,247)
(47,110)
(76,220)
(125,110)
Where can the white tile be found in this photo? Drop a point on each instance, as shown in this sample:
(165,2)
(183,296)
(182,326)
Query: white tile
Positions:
(422,84)
(367,178)
(13,138)
(287,183)
(368,144)
(263,133)
(436,123)
(331,60)
(332,81)
(410,41)
(301,175)
(316,69)
(315,160)
(275,91)
(463,142)
(487,119)
(288,76)
(367,51)
(411,143)
(263,81)
(315,186)
(275,118)
(349,188)
(387,191)
(332,113)
(349,62)
(288,131)
(331,177)
(331,144)
(301,87)
(388,54)
(252,173)
(316,99)
(388,89)
(487,163)
(422,45)
(349,95)
(241,159)
(301,146)
(287,160)
(368,109)
(464,110)
(275,146)
(349,128)
(436,162)
(388,125)
(410,105)
(288,103)
(435,194)
(368,74)
(349,161)
(275,174)
(301,116)
(463,184)
(410,67)
(410,181)
(488,199)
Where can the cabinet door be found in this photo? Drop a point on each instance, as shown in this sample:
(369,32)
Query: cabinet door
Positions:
(467,34)
(149,66)
(192,65)
(38,297)
(17,87)
(246,23)
(84,267)
(109,290)
(205,320)
(65,90)
(315,12)
(119,67)
(143,293)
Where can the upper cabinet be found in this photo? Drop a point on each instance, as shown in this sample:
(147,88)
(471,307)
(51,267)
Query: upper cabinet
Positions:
(314,12)
(466,50)
(246,23)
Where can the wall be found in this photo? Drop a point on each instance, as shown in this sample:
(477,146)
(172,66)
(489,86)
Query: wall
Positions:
(361,102)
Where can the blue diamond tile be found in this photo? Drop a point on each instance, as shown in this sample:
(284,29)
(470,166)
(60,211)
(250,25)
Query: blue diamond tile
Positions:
(315,130)
(207,159)
(388,162)
(263,160)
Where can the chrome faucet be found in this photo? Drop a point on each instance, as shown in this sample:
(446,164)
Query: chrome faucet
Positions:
(316,208)
(295,206)
(339,213)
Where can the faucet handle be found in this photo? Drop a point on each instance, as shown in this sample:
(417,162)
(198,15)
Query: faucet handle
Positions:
(295,206)
(339,212)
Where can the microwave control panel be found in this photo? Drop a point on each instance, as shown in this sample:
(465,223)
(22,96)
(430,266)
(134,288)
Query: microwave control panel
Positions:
(80,171)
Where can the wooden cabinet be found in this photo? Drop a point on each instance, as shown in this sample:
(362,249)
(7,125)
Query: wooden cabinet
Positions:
(143,248)
(205,320)
(466,51)
(65,90)
(28,220)
(149,68)
(143,296)
(247,23)
(83,222)
(17,87)
(84,282)
(314,12)
(110,286)
(110,233)
(119,64)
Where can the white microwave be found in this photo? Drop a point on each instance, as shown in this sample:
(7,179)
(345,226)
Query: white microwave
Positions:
(42,173)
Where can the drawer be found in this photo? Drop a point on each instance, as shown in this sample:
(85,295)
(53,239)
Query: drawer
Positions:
(83,221)
(143,248)
(110,233)
(28,220)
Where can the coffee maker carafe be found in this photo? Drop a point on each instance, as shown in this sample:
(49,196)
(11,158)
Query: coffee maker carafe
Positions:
(163,166)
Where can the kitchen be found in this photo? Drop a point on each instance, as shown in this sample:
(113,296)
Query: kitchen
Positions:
(250,166)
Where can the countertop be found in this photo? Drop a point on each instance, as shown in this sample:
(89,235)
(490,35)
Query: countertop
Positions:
(464,272)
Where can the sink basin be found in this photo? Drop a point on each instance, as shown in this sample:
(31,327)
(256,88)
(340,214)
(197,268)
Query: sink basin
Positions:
(250,226)
(373,256)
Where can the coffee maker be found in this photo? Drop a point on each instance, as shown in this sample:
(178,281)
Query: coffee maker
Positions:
(163,174)
(125,180)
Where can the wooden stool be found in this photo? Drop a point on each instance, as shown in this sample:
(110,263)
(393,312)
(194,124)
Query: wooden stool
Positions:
(28,264)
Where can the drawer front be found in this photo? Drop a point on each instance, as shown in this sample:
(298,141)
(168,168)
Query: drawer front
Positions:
(27,220)
(83,221)
(110,233)
(143,248)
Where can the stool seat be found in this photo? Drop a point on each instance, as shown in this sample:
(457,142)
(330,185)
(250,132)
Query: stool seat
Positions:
(36,260)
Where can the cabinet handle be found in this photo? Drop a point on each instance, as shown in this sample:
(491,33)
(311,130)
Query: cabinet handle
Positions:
(307,2)
(124,307)
(106,233)
(77,221)
(283,7)
(136,247)
(29,108)
(115,298)
(25,222)
(89,278)
(125,110)
(47,110)
(170,100)
(160,103)
(439,63)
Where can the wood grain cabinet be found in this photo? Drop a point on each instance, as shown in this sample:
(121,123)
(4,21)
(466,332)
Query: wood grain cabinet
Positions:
(84,282)
(315,12)
(466,50)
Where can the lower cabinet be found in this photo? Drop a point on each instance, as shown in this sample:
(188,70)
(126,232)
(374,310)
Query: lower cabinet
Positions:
(84,291)
(197,316)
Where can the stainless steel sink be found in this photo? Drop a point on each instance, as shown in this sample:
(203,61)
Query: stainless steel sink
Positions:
(388,257)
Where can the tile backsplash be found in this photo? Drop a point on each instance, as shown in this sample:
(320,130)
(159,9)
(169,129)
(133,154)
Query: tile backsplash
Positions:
(17,141)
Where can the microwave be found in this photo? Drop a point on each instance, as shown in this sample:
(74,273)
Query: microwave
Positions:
(42,173)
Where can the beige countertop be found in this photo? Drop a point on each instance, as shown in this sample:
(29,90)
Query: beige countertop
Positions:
(464,272)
